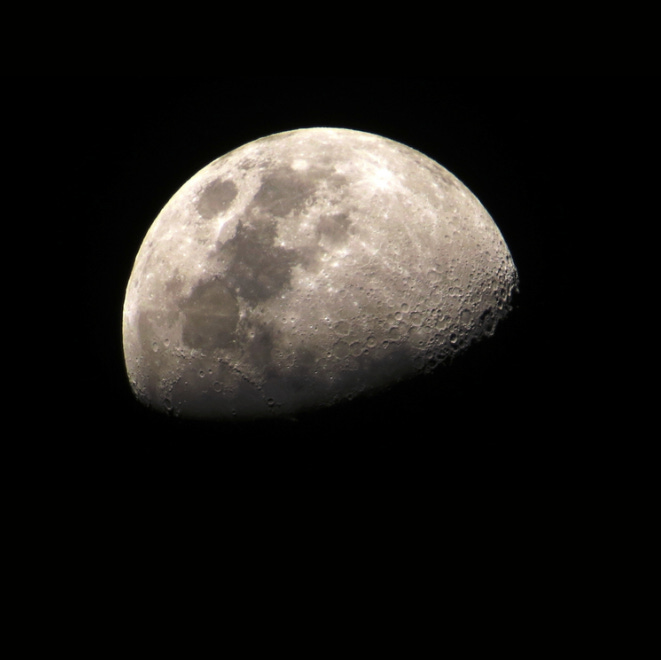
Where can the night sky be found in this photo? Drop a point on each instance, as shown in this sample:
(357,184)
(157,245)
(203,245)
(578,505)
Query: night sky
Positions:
(545,403)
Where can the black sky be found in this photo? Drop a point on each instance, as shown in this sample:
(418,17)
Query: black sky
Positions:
(544,404)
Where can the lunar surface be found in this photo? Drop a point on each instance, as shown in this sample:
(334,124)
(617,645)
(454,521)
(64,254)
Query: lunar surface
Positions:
(305,268)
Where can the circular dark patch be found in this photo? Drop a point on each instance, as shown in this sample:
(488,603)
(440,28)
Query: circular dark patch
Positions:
(215,198)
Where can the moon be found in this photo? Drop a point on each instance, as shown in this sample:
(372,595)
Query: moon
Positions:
(305,268)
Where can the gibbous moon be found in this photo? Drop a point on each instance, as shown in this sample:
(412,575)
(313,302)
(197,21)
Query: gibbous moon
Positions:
(305,268)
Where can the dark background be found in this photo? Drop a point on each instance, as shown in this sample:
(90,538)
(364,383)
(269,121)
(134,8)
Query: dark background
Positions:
(546,403)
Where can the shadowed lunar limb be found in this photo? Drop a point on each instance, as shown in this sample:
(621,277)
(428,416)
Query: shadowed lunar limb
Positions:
(305,268)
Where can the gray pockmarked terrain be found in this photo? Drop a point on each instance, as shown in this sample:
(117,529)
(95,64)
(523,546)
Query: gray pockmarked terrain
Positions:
(305,268)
